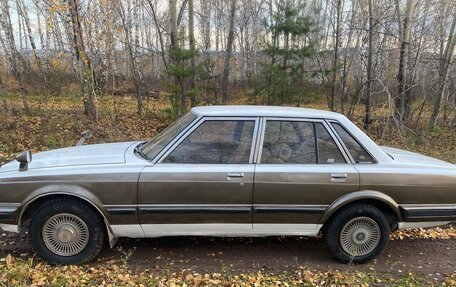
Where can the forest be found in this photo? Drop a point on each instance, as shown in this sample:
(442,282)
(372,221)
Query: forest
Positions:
(394,54)
(387,64)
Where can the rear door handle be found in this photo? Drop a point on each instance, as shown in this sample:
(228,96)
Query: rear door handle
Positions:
(338,177)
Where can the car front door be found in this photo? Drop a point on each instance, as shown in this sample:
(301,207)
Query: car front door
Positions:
(203,184)
(301,170)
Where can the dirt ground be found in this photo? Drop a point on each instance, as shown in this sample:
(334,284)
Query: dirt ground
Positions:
(431,257)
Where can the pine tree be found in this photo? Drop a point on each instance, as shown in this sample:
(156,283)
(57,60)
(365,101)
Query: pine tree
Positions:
(280,76)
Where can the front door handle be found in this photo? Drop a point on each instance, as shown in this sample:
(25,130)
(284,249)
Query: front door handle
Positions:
(338,177)
(235,175)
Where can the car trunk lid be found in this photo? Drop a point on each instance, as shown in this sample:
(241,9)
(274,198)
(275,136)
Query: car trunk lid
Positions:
(412,157)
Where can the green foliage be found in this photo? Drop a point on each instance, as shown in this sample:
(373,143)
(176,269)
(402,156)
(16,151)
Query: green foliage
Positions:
(282,75)
(182,72)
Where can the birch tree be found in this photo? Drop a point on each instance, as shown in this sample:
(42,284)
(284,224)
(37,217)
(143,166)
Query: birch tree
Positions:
(445,63)
(228,52)
(405,27)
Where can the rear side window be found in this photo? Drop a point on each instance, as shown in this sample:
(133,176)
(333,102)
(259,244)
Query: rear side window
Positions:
(298,142)
(359,154)
(289,143)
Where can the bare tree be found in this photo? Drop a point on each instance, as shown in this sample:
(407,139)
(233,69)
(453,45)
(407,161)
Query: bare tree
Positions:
(370,56)
(130,47)
(17,63)
(191,36)
(443,72)
(405,28)
(87,77)
(228,52)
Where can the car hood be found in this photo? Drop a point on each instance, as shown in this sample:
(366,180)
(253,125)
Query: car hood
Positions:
(111,153)
(401,155)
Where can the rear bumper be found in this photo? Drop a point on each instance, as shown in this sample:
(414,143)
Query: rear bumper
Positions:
(9,212)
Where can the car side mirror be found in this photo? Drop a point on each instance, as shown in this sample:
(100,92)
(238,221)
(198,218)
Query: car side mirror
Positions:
(24,158)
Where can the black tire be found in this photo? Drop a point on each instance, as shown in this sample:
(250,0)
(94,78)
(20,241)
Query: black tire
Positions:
(346,218)
(86,216)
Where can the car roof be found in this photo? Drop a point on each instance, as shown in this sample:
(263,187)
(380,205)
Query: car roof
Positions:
(264,111)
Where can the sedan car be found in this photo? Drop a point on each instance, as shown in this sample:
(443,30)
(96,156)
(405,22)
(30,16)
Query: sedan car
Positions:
(227,171)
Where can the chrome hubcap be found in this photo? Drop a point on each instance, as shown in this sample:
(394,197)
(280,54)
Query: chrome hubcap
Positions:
(360,236)
(65,234)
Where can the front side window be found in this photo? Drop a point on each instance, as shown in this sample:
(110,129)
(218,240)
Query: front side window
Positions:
(152,148)
(359,154)
(298,142)
(216,142)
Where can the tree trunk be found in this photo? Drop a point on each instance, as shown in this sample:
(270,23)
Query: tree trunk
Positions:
(4,102)
(404,33)
(336,56)
(16,62)
(179,101)
(136,77)
(191,36)
(369,67)
(229,47)
(443,73)
(24,14)
(86,73)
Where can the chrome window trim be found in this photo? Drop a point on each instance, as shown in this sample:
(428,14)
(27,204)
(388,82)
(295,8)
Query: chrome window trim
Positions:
(260,140)
(325,125)
(187,132)
(356,139)
(348,159)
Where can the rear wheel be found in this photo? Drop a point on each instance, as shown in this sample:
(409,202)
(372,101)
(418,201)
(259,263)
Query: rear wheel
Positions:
(66,231)
(356,234)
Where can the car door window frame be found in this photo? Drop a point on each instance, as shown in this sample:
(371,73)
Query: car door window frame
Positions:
(344,147)
(188,132)
(263,124)
(177,138)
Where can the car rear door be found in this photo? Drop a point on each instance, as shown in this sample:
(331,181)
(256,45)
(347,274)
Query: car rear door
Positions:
(204,183)
(301,169)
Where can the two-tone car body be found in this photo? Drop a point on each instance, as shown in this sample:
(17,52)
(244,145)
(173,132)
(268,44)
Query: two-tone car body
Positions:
(228,171)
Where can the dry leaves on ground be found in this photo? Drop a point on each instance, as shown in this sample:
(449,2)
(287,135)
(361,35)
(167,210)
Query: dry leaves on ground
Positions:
(20,272)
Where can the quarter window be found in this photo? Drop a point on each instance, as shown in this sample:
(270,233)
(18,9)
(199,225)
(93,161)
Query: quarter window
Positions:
(328,152)
(298,142)
(216,142)
(359,154)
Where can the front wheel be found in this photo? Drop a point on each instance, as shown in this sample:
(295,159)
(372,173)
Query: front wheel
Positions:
(356,234)
(66,231)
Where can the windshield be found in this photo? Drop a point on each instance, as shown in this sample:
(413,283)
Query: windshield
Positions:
(151,149)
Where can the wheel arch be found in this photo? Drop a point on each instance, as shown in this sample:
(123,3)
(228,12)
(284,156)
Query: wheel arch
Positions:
(384,202)
(38,197)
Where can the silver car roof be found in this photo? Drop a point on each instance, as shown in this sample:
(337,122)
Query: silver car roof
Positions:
(264,111)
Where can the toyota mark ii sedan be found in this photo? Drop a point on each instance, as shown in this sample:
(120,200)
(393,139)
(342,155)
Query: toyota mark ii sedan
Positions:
(227,171)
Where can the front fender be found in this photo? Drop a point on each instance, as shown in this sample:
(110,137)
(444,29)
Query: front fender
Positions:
(69,190)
